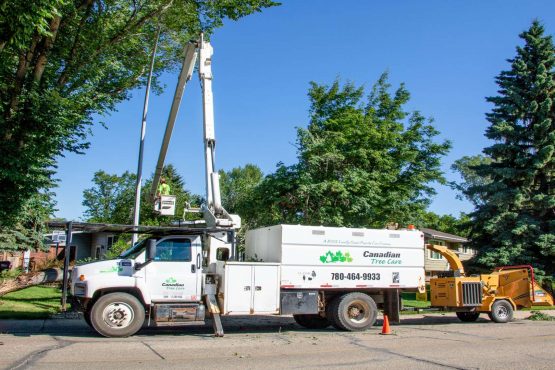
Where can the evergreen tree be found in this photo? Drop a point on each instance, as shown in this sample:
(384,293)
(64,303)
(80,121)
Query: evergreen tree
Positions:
(112,197)
(515,222)
(466,167)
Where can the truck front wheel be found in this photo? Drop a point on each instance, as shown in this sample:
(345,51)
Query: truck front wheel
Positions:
(501,311)
(312,321)
(87,317)
(117,315)
(353,312)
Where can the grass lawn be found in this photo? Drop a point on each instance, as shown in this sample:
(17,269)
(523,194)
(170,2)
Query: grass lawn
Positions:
(538,308)
(37,302)
(416,304)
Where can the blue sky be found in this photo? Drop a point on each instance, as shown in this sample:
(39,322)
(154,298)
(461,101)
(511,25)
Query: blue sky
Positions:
(447,52)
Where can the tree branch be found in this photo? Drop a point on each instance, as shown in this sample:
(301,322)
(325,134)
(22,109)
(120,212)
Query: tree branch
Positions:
(73,53)
(131,27)
(21,72)
(52,275)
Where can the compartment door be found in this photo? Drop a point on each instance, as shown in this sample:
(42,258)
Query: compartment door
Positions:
(266,289)
(238,289)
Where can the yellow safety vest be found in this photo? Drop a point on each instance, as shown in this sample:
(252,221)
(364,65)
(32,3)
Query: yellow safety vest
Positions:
(164,189)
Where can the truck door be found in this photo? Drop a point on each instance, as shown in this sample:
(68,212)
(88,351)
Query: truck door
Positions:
(174,274)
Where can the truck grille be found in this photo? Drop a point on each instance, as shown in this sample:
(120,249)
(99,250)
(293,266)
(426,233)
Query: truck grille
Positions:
(472,294)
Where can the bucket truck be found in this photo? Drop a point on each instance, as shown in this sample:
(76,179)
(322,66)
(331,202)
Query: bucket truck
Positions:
(178,276)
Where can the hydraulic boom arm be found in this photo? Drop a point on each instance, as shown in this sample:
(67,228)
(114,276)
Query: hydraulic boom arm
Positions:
(214,213)
(184,76)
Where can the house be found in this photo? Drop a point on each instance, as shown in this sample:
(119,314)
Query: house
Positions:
(434,262)
(84,244)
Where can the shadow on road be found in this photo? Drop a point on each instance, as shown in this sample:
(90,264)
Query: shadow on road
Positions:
(232,325)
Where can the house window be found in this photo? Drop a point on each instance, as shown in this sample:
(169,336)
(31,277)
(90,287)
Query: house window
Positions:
(436,242)
(435,255)
(110,242)
(465,249)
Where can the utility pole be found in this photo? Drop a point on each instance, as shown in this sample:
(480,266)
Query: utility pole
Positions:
(137,209)
(67,251)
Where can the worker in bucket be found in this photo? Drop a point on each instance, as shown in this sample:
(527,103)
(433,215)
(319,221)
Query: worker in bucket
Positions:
(163,188)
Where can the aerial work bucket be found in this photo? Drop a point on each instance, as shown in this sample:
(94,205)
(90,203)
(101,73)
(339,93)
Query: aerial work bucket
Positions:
(165,205)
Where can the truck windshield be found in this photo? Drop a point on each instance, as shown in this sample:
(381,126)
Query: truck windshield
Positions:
(134,251)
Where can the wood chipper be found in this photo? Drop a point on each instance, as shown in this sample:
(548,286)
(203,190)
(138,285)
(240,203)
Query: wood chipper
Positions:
(498,294)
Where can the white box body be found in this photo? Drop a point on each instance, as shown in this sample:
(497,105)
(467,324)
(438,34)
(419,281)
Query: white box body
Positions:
(330,257)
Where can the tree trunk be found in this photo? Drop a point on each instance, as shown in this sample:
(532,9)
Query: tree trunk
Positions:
(48,42)
(30,279)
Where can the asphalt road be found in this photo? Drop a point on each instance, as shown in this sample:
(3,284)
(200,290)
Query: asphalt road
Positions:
(433,341)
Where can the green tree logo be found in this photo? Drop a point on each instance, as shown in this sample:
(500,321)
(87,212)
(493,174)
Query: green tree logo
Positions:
(338,256)
(171,280)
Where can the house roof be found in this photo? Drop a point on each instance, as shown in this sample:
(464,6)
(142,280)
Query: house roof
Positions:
(434,234)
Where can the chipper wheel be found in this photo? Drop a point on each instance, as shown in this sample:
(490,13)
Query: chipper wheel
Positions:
(468,316)
(312,321)
(352,311)
(501,311)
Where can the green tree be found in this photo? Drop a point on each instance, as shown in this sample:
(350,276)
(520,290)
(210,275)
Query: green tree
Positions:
(237,188)
(28,230)
(360,162)
(237,185)
(515,224)
(177,186)
(64,61)
(447,223)
(471,180)
(111,199)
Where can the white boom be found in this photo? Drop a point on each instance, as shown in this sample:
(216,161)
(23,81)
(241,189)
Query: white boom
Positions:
(213,212)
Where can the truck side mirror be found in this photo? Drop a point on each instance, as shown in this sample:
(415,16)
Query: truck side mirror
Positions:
(151,249)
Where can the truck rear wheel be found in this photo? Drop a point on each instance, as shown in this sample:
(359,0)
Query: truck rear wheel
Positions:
(353,312)
(312,321)
(501,311)
(117,315)
(468,316)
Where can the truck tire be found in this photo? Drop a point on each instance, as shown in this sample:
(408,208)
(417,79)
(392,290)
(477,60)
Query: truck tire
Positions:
(353,312)
(468,316)
(501,311)
(87,317)
(117,315)
(312,321)
(332,307)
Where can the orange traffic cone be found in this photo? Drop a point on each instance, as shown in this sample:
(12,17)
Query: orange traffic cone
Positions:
(385,329)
